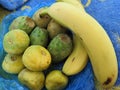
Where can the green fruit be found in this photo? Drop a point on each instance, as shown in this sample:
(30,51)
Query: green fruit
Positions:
(36,58)
(60,47)
(16,41)
(33,80)
(54,29)
(41,20)
(24,23)
(12,64)
(39,36)
(56,80)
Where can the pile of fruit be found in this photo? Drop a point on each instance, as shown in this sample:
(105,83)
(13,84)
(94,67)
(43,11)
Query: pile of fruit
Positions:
(34,44)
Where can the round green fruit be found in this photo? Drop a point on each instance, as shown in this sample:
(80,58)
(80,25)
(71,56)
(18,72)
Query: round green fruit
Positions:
(36,58)
(12,64)
(56,80)
(54,29)
(24,23)
(16,41)
(39,36)
(33,80)
(60,47)
(41,20)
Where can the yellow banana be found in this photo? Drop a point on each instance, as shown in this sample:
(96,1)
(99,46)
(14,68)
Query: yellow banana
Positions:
(76,3)
(77,60)
(96,41)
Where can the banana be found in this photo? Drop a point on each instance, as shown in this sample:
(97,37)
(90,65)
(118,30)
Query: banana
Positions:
(76,3)
(77,60)
(94,38)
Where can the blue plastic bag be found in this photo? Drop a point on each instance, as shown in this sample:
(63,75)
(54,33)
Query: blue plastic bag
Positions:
(12,4)
(105,12)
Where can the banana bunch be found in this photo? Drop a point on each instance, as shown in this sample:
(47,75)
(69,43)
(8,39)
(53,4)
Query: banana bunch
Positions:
(93,37)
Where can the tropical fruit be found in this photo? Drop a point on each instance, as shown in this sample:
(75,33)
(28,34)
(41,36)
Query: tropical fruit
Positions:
(55,28)
(12,64)
(56,80)
(39,36)
(36,58)
(60,47)
(41,20)
(33,80)
(16,41)
(24,23)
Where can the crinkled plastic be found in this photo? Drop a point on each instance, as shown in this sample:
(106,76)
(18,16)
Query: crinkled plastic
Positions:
(12,4)
(106,12)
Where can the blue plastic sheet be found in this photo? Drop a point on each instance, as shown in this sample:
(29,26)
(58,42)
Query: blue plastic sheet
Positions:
(106,12)
(12,4)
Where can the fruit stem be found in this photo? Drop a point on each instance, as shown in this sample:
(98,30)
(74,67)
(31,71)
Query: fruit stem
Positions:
(44,11)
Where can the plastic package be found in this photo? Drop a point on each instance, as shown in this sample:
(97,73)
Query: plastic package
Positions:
(12,4)
(106,12)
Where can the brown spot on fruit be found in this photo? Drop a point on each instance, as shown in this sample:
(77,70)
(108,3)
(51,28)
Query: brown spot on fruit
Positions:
(73,59)
(13,58)
(109,79)
(46,16)
(41,16)
(64,38)
(30,22)
(43,52)
(10,41)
